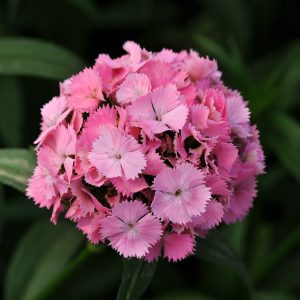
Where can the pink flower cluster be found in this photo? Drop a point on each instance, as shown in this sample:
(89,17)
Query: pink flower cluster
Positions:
(146,152)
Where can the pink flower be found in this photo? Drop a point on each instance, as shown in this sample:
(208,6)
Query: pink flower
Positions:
(226,154)
(111,72)
(241,200)
(60,145)
(84,204)
(180,194)
(129,187)
(159,73)
(238,115)
(90,225)
(53,113)
(134,86)
(85,91)
(211,217)
(131,229)
(157,126)
(116,153)
(200,67)
(103,116)
(176,247)
(45,185)
(160,111)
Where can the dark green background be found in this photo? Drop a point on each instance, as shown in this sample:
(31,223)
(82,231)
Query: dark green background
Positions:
(257,45)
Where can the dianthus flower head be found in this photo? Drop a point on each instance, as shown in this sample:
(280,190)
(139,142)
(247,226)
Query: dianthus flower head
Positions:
(146,152)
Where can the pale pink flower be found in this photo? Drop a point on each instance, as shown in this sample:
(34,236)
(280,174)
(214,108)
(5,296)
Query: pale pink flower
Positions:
(155,164)
(165,55)
(238,115)
(160,111)
(111,72)
(199,67)
(180,194)
(85,91)
(45,185)
(199,116)
(103,116)
(53,113)
(134,86)
(116,153)
(90,224)
(131,229)
(84,203)
(90,227)
(158,72)
(60,145)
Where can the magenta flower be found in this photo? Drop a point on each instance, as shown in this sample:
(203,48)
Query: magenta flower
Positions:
(180,194)
(115,154)
(131,229)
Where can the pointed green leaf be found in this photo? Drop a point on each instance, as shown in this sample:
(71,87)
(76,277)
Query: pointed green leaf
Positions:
(16,166)
(20,56)
(41,256)
(136,277)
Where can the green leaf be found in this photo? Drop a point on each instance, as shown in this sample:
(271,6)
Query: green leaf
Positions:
(136,277)
(11,113)
(16,166)
(284,139)
(20,56)
(214,248)
(41,256)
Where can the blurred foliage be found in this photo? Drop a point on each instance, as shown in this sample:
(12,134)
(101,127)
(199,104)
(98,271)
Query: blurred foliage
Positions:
(257,45)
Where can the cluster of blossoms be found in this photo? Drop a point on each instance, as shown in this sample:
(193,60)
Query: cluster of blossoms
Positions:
(146,152)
